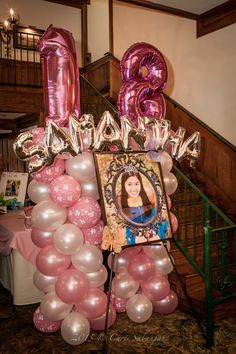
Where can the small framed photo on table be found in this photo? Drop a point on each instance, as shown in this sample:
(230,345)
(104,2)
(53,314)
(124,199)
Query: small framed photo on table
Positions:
(133,199)
(14,185)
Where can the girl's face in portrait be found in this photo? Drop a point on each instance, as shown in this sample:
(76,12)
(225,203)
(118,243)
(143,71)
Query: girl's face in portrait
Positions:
(133,186)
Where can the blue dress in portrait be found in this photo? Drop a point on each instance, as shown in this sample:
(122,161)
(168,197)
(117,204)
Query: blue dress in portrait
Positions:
(137,215)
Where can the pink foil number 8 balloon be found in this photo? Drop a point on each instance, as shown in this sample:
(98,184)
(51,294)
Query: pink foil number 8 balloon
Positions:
(144,75)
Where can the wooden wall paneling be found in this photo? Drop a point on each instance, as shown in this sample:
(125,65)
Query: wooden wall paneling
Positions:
(216,167)
(21,73)
(115,79)
(21,99)
(97,74)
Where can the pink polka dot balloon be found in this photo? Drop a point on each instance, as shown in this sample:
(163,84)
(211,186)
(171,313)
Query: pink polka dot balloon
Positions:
(118,303)
(47,174)
(44,325)
(65,190)
(93,235)
(85,213)
(38,136)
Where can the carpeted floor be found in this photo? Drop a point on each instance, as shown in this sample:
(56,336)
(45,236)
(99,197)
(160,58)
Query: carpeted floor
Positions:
(172,334)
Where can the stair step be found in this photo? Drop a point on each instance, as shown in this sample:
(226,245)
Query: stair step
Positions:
(196,251)
(195,288)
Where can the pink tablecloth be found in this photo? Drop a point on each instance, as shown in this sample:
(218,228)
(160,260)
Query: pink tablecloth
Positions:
(21,240)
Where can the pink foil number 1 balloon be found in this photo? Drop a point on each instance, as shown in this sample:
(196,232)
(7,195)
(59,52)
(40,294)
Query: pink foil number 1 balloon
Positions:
(144,75)
(61,75)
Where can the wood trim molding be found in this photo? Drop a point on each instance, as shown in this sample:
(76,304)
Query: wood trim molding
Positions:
(217,18)
(72,3)
(111,37)
(84,30)
(162,8)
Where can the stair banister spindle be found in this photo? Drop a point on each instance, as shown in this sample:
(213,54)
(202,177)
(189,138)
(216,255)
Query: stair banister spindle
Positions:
(207,236)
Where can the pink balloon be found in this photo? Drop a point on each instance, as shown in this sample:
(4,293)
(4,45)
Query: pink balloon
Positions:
(118,303)
(99,322)
(65,190)
(47,174)
(71,286)
(140,95)
(38,136)
(141,267)
(129,252)
(93,304)
(166,305)
(174,222)
(93,235)
(85,213)
(51,262)
(169,203)
(156,288)
(41,238)
(44,325)
(61,86)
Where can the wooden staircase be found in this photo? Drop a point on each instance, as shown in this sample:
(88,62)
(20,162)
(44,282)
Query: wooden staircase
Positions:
(190,210)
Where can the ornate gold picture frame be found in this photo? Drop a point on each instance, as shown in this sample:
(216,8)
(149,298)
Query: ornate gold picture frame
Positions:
(133,199)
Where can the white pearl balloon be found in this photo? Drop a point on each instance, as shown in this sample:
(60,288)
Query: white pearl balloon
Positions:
(155,251)
(68,239)
(45,283)
(90,189)
(139,308)
(75,329)
(124,286)
(97,279)
(170,182)
(53,308)
(89,259)
(165,160)
(38,191)
(81,167)
(48,215)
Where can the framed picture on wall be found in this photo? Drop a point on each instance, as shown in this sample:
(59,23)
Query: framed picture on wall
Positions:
(133,199)
(14,185)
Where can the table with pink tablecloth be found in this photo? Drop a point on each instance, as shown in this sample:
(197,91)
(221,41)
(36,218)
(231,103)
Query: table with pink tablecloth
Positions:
(17,269)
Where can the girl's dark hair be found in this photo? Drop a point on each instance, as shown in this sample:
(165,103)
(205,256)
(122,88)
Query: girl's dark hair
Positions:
(124,194)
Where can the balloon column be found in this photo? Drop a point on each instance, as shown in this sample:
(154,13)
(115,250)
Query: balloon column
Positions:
(140,285)
(67,224)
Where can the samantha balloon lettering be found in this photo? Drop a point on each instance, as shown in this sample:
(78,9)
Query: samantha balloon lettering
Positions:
(61,142)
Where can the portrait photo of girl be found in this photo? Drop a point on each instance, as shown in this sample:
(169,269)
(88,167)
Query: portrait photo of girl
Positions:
(137,201)
(133,200)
